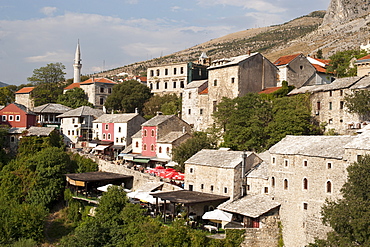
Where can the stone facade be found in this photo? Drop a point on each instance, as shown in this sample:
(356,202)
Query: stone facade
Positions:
(363,66)
(24,97)
(173,78)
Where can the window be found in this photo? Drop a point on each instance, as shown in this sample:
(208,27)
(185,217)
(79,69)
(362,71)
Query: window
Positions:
(152,147)
(137,144)
(214,105)
(11,117)
(168,150)
(174,84)
(69,132)
(73,120)
(305,163)
(182,84)
(160,150)
(158,72)
(330,121)
(106,126)
(117,139)
(341,92)
(102,90)
(191,170)
(232,80)
(329,165)
(104,136)
(202,186)
(359,158)
(152,73)
(305,206)
(101,101)
(341,105)
(73,132)
(151,86)
(301,67)
(144,147)
(266,190)
(18,118)
(145,132)
(165,85)
(153,133)
(190,187)
(174,71)
(157,85)
(273,160)
(182,70)
(273,182)
(330,93)
(215,82)
(225,190)
(12,139)
(119,129)
(189,111)
(122,139)
(201,111)
(76,132)
(165,71)
(211,187)
(305,184)
(109,90)
(285,184)
(318,105)
(4,118)
(330,106)
(286,162)
(97,126)
(328,187)
(189,95)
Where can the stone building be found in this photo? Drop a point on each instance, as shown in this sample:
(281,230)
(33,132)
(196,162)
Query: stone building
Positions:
(47,114)
(24,97)
(173,78)
(194,100)
(235,77)
(363,66)
(328,106)
(299,70)
(220,172)
(96,89)
(304,171)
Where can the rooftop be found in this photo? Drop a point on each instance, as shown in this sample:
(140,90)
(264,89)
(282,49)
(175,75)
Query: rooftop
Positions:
(73,85)
(101,80)
(25,90)
(96,176)
(269,90)
(217,158)
(39,131)
(51,108)
(115,118)
(82,111)
(219,63)
(189,197)
(157,120)
(172,136)
(285,59)
(195,84)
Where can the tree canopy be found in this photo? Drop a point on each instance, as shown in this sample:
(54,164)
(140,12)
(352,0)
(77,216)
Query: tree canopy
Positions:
(168,104)
(359,102)
(74,98)
(341,62)
(350,216)
(128,96)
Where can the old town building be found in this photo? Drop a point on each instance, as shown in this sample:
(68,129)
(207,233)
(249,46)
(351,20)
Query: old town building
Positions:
(17,116)
(47,114)
(24,97)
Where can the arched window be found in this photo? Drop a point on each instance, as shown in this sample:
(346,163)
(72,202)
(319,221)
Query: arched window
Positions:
(305,184)
(152,147)
(137,144)
(119,129)
(153,132)
(167,149)
(145,133)
(285,184)
(160,150)
(144,147)
(273,181)
(104,136)
(328,187)
(108,136)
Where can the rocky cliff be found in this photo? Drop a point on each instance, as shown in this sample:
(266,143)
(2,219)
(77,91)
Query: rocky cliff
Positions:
(343,11)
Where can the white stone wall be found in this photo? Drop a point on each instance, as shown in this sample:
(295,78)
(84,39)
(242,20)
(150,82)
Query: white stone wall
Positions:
(71,129)
(137,145)
(120,137)
(164,154)
(24,99)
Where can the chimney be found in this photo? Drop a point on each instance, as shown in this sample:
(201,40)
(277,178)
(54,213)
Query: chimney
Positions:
(136,111)
(183,129)
(249,52)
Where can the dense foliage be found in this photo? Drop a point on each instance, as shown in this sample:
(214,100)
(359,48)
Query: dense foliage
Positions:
(48,82)
(168,104)
(359,102)
(128,96)
(254,123)
(74,98)
(350,216)
(341,62)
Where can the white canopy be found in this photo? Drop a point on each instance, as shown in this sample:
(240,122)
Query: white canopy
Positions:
(143,196)
(218,215)
(99,148)
(104,188)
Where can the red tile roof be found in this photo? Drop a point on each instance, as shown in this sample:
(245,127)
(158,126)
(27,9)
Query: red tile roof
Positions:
(326,62)
(101,80)
(364,58)
(25,90)
(285,59)
(269,90)
(73,85)
(205,91)
(319,68)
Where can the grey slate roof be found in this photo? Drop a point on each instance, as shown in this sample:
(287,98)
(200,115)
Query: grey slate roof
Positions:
(217,158)
(16,130)
(82,111)
(157,120)
(230,61)
(360,142)
(315,146)
(340,83)
(115,118)
(172,136)
(25,109)
(195,84)
(136,135)
(361,84)
(51,108)
(251,206)
(39,131)
(150,186)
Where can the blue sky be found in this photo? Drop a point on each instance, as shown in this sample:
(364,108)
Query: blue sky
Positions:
(114,33)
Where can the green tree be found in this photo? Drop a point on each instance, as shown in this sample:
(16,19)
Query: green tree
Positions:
(340,62)
(358,102)
(128,96)
(199,141)
(168,104)
(74,98)
(350,216)
(6,96)
(48,82)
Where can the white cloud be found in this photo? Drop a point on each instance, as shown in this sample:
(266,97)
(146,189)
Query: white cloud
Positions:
(54,56)
(259,5)
(132,1)
(48,11)
(264,19)
(175,8)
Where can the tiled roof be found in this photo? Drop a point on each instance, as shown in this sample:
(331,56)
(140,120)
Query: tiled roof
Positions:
(115,118)
(82,111)
(205,91)
(319,68)
(217,158)
(314,146)
(25,90)
(101,80)
(23,108)
(51,108)
(219,63)
(364,58)
(39,131)
(251,206)
(155,121)
(285,59)
(269,90)
(73,85)
(172,136)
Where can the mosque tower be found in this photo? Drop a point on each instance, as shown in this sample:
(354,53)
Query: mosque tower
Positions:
(77,65)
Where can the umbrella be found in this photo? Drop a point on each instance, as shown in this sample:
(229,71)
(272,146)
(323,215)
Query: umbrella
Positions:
(159,167)
(217,215)
(168,174)
(170,170)
(104,188)
(179,176)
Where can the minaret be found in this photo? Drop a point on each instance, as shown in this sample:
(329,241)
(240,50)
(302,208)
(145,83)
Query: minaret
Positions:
(77,65)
